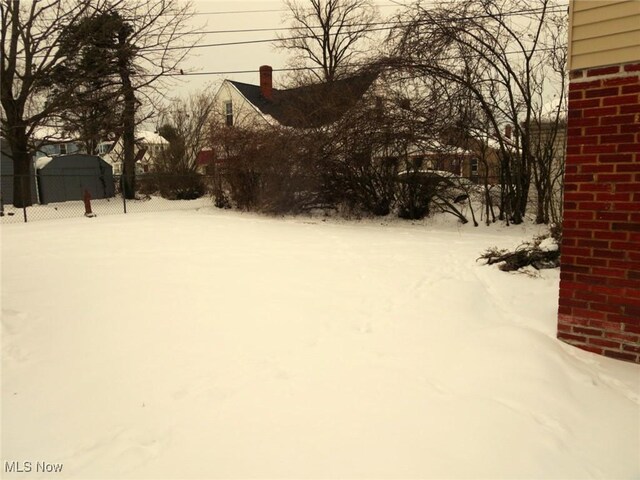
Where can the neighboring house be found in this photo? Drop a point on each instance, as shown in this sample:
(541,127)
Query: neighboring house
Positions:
(50,142)
(243,104)
(149,145)
(486,155)
(249,105)
(66,177)
(599,304)
(440,157)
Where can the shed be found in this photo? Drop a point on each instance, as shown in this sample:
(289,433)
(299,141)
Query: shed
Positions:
(6,175)
(66,177)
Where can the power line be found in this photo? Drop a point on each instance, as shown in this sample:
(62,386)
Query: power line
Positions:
(296,69)
(389,25)
(275,10)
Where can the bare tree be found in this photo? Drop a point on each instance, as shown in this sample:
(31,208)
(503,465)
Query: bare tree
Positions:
(328,34)
(189,120)
(154,37)
(549,129)
(30,33)
(185,124)
(151,40)
(498,56)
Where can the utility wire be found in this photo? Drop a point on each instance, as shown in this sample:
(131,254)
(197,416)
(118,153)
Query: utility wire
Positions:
(275,10)
(296,69)
(388,23)
(395,4)
(389,26)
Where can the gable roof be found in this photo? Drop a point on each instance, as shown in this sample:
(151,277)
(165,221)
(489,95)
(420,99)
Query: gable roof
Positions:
(311,105)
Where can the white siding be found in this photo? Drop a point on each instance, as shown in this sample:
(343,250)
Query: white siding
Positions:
(244,113)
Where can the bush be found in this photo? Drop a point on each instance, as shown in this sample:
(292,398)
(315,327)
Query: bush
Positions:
(542,252)
(181,187)
(419,191)
(414,196)
(266,170)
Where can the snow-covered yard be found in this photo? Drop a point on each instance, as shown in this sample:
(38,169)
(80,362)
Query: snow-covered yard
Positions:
(210,344)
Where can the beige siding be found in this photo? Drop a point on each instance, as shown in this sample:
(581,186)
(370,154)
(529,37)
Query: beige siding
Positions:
(244,113)
(604,32)
(582,5)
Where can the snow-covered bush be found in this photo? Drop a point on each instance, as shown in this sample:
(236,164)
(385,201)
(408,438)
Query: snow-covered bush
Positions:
(542,252)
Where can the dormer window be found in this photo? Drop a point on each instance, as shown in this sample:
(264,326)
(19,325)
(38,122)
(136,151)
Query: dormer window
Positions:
(228,113)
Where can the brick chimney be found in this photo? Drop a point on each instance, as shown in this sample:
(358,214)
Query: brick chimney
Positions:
(266,85)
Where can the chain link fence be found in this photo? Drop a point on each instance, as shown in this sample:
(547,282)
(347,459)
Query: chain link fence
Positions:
(65,196)
(54,196)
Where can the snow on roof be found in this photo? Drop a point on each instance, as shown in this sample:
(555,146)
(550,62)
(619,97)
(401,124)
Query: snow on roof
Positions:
(51,134)
(429,171)
(151,138)
(436,148)
(42,162)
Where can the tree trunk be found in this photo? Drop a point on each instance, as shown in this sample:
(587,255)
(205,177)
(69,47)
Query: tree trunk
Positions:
(129,118)
(19,144)
(128,143)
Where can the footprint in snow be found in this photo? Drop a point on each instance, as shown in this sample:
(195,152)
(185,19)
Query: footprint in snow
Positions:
(120,453)
(12,321)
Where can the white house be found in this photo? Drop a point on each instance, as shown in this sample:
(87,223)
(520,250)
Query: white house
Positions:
(243,104)
(149,145)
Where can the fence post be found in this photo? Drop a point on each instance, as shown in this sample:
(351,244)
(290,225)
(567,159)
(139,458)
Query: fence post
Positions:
(24,201)
(124,197)
(86,197)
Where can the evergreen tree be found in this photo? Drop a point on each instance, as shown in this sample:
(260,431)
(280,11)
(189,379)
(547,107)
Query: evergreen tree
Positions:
(93,53)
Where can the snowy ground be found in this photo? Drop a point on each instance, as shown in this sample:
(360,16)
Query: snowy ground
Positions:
(210,344)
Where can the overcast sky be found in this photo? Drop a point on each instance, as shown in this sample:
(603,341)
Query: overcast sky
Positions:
(215,15)
(208,64)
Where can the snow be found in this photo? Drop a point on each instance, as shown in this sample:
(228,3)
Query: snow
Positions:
(270,120)
(51,134)
(548,245)
(150,138)
(214,344)
(42,162)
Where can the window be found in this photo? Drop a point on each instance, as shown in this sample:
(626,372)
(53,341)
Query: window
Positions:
(63,149)
(474,168)
(104,147)
(228,111)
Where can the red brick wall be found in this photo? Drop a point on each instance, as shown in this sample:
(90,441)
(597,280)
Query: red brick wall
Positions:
(599,306)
